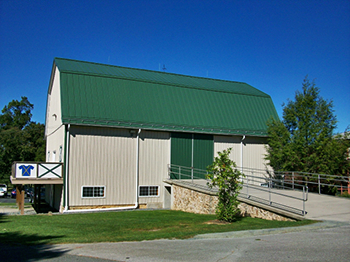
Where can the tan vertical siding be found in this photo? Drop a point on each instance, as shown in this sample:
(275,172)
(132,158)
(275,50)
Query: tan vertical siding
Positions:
(154,158)
(54,129)
(254,152)
(224,142)
(102,157)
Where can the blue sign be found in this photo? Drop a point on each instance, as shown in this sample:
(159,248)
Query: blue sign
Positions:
(26,169)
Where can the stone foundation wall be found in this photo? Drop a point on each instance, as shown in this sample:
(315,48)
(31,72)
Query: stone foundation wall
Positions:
(252,211)
(193,201)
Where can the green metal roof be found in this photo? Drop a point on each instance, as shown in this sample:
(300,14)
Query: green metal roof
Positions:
(97,94)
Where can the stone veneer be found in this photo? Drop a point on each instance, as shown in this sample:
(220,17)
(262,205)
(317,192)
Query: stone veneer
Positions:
(194,201)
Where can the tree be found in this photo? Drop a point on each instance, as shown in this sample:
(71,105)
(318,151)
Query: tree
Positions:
(303,140)
(20,138)
(224,174)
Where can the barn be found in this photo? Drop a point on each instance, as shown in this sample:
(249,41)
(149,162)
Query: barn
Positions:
(117,130)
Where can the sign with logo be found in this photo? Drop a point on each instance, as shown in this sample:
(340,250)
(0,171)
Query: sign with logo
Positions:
(26,170)
(48,170)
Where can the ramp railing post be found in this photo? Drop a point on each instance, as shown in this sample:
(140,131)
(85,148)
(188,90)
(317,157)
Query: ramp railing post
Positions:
(248,186)
(319,185)
(270,191)
(303,200)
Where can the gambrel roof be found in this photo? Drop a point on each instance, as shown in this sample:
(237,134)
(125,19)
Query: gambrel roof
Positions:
(105,95)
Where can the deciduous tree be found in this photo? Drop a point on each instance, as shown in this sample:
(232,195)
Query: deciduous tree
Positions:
(304,139)
(20,138)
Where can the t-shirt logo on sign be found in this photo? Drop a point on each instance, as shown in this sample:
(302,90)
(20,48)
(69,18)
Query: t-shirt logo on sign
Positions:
(26,169)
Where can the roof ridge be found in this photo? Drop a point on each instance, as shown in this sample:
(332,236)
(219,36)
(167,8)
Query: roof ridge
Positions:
(262,94)
(153,71)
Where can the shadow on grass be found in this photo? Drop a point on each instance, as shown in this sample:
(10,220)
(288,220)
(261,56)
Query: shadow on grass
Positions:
(2,220)
(20,247)
(23,247)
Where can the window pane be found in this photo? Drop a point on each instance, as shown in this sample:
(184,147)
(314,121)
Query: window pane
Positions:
(87,192)
(98,191)
(93,191)
(143,191)
(153,191)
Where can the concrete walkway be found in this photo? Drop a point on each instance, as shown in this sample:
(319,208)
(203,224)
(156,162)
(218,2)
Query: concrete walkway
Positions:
(13,210)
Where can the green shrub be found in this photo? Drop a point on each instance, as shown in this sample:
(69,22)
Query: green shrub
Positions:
(224,174)
(345,194)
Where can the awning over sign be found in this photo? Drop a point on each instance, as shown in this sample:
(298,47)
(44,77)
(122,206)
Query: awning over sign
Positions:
(36,173)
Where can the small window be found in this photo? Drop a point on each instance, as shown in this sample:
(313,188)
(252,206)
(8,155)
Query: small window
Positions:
(148,191)
(93,191)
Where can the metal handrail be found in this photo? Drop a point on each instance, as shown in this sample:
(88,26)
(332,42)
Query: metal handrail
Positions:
(309,179)
(249,181)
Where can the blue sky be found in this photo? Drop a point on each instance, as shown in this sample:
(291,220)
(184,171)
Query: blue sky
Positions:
(271,45)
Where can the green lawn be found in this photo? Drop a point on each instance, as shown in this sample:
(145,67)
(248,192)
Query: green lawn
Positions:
(119,226)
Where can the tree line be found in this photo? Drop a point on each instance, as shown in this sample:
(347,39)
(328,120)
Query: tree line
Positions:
(21,139)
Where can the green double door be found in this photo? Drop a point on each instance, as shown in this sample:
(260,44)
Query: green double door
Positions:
(191,152)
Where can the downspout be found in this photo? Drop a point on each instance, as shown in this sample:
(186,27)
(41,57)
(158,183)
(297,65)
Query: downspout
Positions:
(137,187)
(137,168)
(242,153)
(66,173)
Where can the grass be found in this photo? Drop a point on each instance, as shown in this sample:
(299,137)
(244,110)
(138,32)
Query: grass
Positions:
(120,226)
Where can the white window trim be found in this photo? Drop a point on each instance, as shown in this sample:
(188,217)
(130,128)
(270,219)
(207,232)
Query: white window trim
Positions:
(104,190)
(149,186)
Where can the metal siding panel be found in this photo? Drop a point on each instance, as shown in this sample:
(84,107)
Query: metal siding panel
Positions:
(153,162)
(224,142)
(203,151)
(254,152)
(181,149)
(54,130)
(166,102)
(81,67)
(102,157)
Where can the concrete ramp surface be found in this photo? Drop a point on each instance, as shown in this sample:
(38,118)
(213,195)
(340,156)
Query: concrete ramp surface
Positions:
(317,206)
(324,207)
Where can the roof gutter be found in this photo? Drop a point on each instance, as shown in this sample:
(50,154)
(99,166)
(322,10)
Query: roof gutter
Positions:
(167,128)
